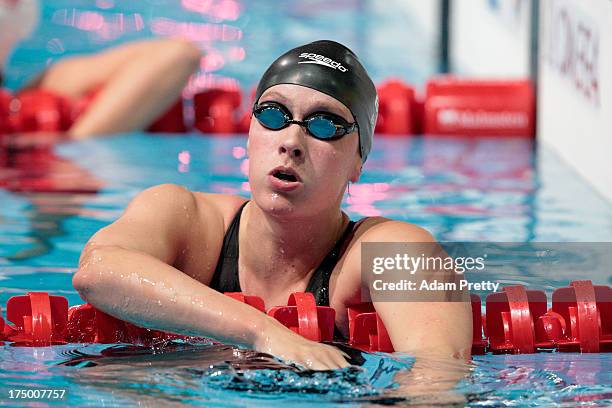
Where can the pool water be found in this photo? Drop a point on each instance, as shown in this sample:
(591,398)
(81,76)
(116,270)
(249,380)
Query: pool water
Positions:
(459,189)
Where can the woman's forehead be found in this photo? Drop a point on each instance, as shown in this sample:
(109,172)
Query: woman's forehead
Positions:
(308,99)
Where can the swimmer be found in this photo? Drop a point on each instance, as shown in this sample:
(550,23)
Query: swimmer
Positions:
(134,83)
(166,261)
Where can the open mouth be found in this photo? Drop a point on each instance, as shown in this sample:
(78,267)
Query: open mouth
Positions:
(284,176)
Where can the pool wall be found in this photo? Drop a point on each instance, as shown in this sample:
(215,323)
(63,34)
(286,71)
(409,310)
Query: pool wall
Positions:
(575,86)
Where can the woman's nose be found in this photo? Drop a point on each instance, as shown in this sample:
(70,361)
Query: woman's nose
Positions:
(291,142)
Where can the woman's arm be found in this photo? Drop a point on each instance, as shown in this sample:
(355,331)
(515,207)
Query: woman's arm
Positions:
(126,271)
(437,333)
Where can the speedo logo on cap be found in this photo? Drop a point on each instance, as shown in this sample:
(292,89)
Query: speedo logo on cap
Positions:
(321,60)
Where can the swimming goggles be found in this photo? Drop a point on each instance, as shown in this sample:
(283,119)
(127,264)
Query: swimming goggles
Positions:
(320,125)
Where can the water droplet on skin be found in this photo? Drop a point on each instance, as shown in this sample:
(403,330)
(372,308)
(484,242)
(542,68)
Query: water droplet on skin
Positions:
(159,302)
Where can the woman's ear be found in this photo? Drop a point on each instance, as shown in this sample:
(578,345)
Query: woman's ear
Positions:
(356,171)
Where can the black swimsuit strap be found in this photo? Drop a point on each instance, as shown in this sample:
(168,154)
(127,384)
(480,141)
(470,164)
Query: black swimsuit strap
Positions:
(225,278)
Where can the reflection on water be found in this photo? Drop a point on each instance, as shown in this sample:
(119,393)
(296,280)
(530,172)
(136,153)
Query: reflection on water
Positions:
(458,189)
(565,379)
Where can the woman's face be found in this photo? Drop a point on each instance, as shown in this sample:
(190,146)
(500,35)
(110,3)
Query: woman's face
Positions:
(291,172)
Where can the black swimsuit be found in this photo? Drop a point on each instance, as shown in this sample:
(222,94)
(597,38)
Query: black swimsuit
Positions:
(226,277)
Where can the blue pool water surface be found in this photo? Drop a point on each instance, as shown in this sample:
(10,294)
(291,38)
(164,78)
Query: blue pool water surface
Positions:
(459,189)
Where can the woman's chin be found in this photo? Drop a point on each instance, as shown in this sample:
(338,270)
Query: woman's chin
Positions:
(277,204)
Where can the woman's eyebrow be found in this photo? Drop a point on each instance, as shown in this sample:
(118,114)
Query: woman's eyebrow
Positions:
(323,106)
(274,95)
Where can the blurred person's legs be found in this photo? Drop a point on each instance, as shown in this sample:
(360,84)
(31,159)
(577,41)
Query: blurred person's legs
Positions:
(135,83)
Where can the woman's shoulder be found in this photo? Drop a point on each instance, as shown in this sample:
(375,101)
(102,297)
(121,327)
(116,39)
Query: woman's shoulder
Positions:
(172,198)
(381,229)
(225,205)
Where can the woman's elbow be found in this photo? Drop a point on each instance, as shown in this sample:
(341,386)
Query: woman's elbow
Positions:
(91,274)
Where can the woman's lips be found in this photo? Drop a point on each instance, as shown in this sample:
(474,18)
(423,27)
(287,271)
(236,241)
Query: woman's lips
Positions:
(283,185)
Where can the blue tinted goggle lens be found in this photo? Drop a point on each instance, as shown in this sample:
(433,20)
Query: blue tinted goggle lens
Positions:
(322,127)
(271,117)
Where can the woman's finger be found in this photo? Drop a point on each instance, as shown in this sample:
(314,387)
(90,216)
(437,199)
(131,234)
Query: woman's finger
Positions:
(340,361)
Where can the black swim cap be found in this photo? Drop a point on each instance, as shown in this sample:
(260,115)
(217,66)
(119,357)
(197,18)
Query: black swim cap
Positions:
(333,69)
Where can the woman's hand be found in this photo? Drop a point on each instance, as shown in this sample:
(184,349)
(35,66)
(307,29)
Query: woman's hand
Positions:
(281,342)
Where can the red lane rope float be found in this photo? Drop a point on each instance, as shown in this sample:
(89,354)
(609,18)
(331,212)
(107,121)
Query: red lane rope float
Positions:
(39,319)
(455,106)
(516,321)
(509,318)
(254,301)
(586,311)
(303,316)
(38,110)
(397,109)
(216,110)
(479,344)
(451,106)
(5,102)
(172,121)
